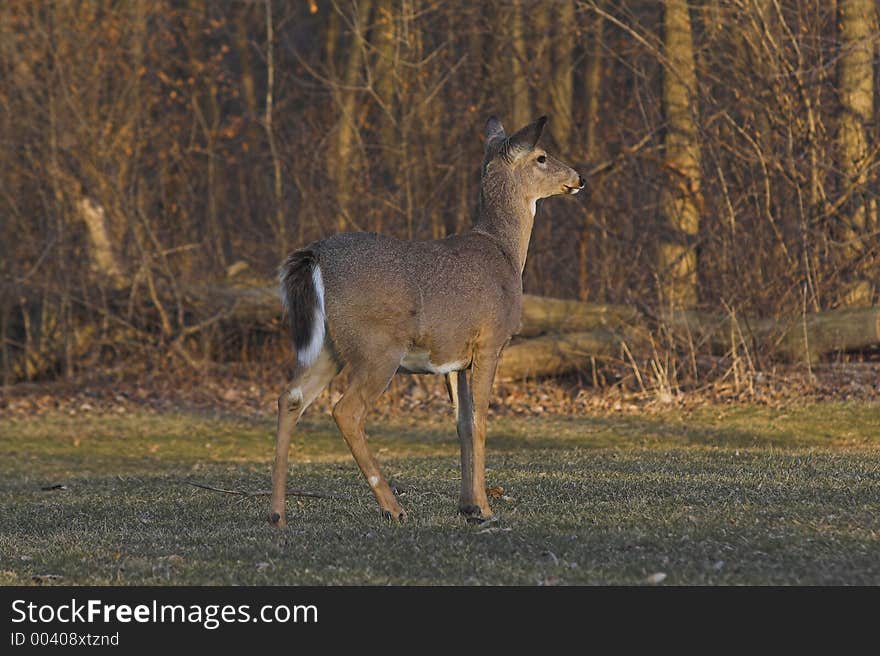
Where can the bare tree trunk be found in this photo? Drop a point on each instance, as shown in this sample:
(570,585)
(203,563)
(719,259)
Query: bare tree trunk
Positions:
(519,83)
(105,259)
(341,164)
(592,93)
(330,38)
(680,205)
(243,46)
(856,71)
(561,88)
(249,94)
(280,224)
(385,26)
(208,113)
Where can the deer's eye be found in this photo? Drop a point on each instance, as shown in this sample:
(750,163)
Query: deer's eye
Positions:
(542,159)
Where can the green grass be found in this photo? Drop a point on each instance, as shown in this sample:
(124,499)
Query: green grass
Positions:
(721,495)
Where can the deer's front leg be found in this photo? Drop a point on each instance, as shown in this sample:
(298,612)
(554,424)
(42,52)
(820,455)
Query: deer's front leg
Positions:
(473,410)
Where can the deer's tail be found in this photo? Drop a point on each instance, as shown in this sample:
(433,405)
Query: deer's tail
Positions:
(302,297)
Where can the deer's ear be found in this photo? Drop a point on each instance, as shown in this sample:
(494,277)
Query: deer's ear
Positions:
(523,141)
(494,134)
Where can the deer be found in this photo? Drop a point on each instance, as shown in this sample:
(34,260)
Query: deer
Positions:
(374,306)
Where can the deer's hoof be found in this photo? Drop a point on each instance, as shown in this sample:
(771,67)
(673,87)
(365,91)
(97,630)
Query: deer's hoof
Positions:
(475,515)
(398,516)
(277,520)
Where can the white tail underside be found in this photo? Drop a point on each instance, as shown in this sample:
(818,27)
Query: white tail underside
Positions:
(310,353)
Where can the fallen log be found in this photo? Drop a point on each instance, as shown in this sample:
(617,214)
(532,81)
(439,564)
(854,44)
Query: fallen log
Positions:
(542,314)
(832,331)
(556,354)
(799,339)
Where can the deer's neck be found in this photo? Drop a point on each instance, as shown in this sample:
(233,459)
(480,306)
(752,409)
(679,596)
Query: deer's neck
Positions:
(508,219)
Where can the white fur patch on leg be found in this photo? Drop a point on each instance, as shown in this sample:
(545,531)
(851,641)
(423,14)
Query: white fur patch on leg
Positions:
(310,353)
(295,395)
(419,361)
(374,481)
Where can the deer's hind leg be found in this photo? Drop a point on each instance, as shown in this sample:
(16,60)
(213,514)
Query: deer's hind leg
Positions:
(304,388)
(367,382)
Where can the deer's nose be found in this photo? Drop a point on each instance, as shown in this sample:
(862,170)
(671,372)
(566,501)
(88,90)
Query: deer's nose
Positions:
(581,181)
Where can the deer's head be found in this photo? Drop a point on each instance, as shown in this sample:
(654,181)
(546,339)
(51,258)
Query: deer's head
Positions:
(518,165)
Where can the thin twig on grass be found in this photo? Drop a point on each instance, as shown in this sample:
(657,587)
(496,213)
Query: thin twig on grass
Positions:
(267,493)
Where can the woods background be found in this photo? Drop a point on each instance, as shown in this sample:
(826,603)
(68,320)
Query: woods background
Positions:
(156,154)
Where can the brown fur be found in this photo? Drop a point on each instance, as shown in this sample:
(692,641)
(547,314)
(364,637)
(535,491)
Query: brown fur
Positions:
(456,301)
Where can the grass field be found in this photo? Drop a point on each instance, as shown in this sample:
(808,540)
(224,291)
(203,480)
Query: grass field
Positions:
(726,495)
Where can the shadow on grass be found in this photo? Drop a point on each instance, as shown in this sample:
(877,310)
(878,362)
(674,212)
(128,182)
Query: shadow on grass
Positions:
(625,431)
(55,447)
